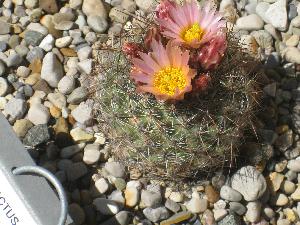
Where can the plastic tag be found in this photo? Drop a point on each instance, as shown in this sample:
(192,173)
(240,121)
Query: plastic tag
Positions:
(12,209)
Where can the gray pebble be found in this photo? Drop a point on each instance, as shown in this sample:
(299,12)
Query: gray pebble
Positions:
(97,23)
(3,87)
(106,206)
(15,108)
(66,85)
(33,38)
(76,171)
(230,194)
(4,27)
(13,60)
(115,169)
(52,70)
(78,95)
(151,199)
(35,53)
(37,135)
(69,151)
(237,208)
(157,214)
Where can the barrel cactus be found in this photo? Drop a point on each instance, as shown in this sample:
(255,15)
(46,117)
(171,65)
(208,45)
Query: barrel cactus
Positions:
(181,140)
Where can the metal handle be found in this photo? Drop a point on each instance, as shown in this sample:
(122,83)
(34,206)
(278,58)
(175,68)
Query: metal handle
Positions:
(54,181)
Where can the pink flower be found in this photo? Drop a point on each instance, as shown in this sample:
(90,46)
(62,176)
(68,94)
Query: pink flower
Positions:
(152,33)
(190,25)
(162,10)
(164,72)
(211,54)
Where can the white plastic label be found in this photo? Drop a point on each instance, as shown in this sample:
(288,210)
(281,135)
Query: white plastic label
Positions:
(12,209)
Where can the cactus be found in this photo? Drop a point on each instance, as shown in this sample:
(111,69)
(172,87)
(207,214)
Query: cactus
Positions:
(182,140)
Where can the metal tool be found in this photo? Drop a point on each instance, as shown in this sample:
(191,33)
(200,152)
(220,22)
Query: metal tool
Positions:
(26,198)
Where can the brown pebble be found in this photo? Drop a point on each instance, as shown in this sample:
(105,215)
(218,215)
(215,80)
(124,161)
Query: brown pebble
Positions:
(211,194)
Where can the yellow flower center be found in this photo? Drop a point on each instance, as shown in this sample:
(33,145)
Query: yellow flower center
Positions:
(167,80)
(194,32)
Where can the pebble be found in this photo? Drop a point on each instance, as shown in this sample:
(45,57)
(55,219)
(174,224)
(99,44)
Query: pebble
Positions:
(37,135)
(47,43)
(269,213)
(85,66)
(115,169)
(52,70)
(237,208)
(219,214)
(296,21)
(106,206)
(97,23)
(157,214)
(197,204)
(63,42)
(253,211)
(281,200)
(80,135)
(151,199)
(94,8)
(83,113)
(249,182)
(120,184)
(3,87)
(102,185)
(294,165)
(276,14)
(69,151)
(283,222)
(76,171)
(172,206)
(66,85)
(275,181)
(23,71)
(129,5)
(2,68)
(288,187)
(38,114)
(57,99)
(132,196)
(76,213)
(293,41)
(13,59)
(230,219)
(21,127)
(4,27)
(250,22)
(211,194)
(177,218)
(176,196)
(230,194)
(84,53)
(292,54)
(33,38)
(296,195)
(121,218)
(146,6)
(15,108)
(78,95)
(91,154)
(117,196)
(34,54)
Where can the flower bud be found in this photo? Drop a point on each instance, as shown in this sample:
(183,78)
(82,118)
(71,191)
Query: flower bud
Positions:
(162,10)
(131,49)
(211,54)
